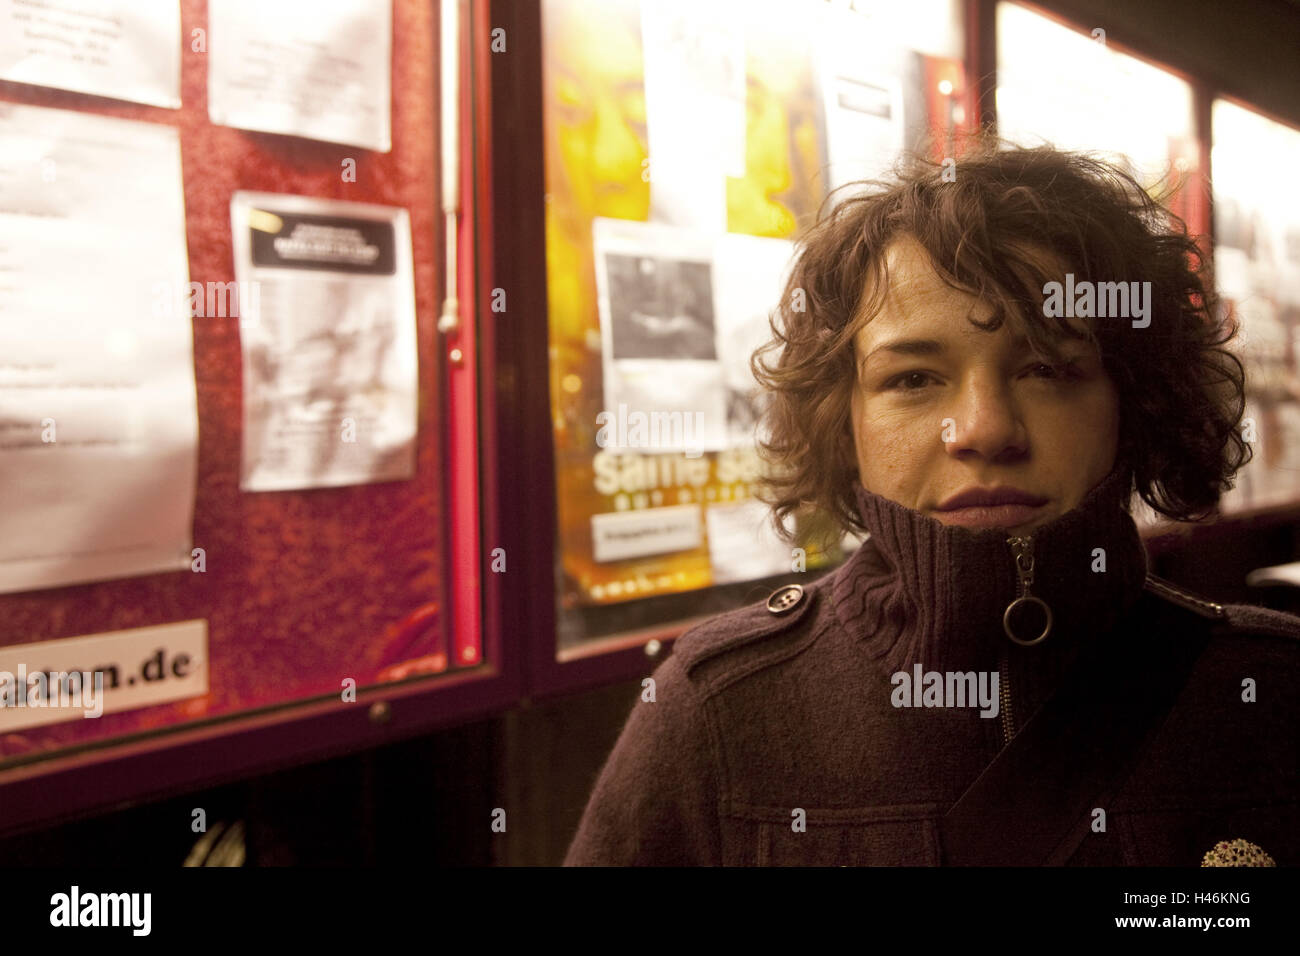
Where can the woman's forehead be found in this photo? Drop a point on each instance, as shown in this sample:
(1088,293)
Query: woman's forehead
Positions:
(910,296)
(913,298)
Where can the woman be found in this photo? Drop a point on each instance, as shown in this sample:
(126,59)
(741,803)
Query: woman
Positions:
(993,677)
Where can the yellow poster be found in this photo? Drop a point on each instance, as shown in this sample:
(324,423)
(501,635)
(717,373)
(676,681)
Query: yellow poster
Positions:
(685,147)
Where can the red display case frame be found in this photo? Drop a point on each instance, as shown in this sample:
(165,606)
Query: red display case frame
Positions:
(80,781)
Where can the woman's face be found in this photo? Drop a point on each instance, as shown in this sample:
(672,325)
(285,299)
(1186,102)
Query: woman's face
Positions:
(941,407)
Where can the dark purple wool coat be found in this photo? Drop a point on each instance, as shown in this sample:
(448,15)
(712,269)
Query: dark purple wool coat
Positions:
(778,736)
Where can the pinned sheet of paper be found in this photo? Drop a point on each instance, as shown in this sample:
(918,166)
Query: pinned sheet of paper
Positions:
(743,546)
(330,389)
(658,339)
(749,277)
(860,65)
(695,108)
(681,312)
(98,420)
(124,49)
(318,70)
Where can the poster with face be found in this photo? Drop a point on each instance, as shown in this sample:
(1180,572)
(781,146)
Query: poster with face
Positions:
(647,337)
(686,144)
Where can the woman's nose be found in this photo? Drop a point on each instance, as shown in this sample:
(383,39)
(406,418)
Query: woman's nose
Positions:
(986,421)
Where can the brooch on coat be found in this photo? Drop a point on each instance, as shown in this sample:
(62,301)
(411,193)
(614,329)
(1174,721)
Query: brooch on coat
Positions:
(1237,853)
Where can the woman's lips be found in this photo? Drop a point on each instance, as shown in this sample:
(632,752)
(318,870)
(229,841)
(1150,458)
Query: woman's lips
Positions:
(990,516)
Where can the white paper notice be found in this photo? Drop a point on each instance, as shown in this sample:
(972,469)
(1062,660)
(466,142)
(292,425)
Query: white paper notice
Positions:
(319,70)
(660,354)
(743,546)
(620,535)
(695,108)
(126,49)
(98,421)
(330,389)
(862,95)
(85,677)
(749,276)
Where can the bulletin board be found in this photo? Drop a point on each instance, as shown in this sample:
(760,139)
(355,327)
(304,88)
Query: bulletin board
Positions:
(686,147)
(301,589)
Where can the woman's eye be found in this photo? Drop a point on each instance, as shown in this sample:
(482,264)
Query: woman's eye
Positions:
(1065,370)
(908,381)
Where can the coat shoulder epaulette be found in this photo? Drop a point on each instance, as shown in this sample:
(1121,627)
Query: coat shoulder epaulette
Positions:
(782,610)
(1250,618)
(1238,618)
(1167,591)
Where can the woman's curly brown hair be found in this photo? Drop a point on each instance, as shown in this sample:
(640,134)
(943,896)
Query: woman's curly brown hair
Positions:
(1181,392)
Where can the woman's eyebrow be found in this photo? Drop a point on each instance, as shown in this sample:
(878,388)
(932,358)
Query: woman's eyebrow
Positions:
(927,346)
(903,347)
(909,347)
(930,347)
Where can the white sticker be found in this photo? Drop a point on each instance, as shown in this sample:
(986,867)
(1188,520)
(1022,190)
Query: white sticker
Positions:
(618,536)
(84,677)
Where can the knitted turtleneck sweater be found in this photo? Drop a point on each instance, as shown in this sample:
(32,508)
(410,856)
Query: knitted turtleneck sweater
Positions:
(773,734)
(921,592)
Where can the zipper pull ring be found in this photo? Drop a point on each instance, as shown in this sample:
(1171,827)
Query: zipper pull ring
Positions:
(1023,550)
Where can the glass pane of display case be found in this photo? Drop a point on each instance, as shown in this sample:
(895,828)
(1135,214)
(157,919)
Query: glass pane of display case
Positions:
(1066,86)
(1070,88)
(291,453)
(686,146)
(1257,270)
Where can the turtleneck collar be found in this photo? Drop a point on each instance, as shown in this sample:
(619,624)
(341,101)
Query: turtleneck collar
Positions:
(919,591)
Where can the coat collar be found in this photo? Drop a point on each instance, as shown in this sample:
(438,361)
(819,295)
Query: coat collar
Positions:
(919,591)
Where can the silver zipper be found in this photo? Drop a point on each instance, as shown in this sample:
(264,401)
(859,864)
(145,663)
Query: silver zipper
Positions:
(1004,694)
(1022,550)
